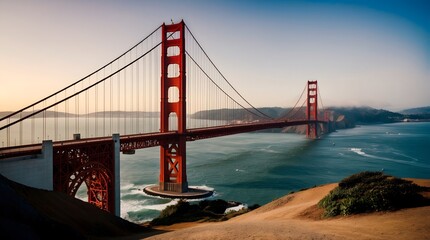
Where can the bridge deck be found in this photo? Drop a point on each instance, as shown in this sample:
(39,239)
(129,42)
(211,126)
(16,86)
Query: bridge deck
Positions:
(138,141)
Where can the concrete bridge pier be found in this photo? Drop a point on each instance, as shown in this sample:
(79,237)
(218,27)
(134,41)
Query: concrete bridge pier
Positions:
(117,183)
(31,170)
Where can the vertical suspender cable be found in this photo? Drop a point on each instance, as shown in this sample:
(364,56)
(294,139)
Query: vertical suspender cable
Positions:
(119,101)
(66,117)
(20,130)
(125,100)
(8,134)
(145,118)
(150,87)
(32,128)
(76,113)
(132,98)
(96,114)
(104,104)
(137,97)
(111,101)
(55,137)
(87,114)
(44,121)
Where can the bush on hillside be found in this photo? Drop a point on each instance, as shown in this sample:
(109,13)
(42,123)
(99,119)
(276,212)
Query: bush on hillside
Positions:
(372,192)
(206,210)
(183,211)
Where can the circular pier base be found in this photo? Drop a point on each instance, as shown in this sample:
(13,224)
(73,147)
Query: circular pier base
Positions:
(192,193)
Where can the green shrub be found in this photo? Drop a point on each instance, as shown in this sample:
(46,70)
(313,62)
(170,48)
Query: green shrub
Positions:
(206,210)
(372,192)
(254,206)
(214,206)
(183,211)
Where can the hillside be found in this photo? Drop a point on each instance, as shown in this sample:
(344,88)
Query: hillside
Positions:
(351,115)
(30,213)
(367,115)
(114,114)
(345,117)
(296,216)
(48,114)
(417,114)
(239,114)
(414,111)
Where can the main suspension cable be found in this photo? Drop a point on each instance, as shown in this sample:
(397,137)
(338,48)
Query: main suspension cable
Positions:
(285,115)
(73,84)
(79,92)
(198,65)
(265,115)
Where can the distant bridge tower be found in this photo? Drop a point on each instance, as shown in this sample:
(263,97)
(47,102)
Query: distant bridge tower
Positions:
(312,109)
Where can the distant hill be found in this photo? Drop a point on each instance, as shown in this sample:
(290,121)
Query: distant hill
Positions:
(52,114)
(116,114)
(414,111)
(344,116)
(367,115)
(47,114)
(239,114)
(417,114)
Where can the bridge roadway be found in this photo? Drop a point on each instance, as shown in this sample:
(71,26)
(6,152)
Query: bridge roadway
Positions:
(138,141)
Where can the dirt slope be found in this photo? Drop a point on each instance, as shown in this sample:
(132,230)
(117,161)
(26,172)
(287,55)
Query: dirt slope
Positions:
(29,213)
(296,216)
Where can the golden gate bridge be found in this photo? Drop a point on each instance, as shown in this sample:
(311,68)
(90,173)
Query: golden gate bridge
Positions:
(163,91)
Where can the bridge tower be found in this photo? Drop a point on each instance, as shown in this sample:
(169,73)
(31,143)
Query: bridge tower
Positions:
(173,175)
(312,109)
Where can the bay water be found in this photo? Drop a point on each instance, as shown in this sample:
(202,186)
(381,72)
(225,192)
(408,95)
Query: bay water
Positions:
(256,168)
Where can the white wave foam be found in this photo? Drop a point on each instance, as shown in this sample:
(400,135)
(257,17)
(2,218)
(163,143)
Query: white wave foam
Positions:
(127,186)
(137,191)
(131,206)
(268,150)
(160,207)
(235,209)
(358,151)
(239,170)
(141,221)
(406,156)
(203,187)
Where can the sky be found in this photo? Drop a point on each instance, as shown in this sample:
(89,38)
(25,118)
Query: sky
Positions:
(363,53)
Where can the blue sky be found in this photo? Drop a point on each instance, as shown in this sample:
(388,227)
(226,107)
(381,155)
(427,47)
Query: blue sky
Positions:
(374,53)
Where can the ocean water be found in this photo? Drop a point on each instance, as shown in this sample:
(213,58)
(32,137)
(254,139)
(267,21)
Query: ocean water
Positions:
(256,168)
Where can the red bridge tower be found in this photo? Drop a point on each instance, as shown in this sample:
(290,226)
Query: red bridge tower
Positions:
(173,174)
(312,109)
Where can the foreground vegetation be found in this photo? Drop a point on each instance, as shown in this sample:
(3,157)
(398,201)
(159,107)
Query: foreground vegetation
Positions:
(372,192)
(207,210)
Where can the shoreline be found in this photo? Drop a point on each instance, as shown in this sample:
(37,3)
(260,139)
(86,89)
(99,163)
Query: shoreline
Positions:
(295,216)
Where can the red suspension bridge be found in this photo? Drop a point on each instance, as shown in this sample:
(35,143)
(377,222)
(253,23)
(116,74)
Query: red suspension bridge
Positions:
(117,109)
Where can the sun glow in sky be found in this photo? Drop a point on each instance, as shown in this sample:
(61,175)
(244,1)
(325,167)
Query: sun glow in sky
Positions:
(374,53)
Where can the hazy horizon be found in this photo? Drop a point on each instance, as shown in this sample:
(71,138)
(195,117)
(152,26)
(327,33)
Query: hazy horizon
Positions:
(3,113)
(363,53)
